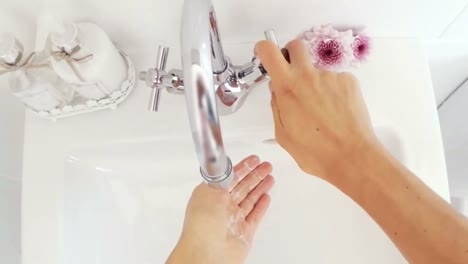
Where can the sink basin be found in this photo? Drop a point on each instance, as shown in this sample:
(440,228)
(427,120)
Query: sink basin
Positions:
(125,202)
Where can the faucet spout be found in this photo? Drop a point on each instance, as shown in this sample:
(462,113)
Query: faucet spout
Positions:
(203,56)
(218,58)
(211,84)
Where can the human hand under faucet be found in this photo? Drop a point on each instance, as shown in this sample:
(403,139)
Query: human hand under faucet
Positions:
(320,116)
(220,224)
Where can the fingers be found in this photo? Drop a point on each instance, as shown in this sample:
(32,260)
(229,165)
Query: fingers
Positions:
(298,54)
(272,59)
(248,204)
(243,169)
(259,211)
(249,183)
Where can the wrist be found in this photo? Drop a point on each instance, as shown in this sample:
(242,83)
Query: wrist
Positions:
(186,252)
(356,172)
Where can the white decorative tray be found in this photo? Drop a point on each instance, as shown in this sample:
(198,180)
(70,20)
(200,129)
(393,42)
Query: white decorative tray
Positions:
(83,106)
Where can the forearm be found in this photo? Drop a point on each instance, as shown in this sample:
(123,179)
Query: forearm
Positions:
(420,223)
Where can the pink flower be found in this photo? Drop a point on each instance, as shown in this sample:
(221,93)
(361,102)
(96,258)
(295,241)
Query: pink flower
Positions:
(361,48)
(329,48)
(328,53)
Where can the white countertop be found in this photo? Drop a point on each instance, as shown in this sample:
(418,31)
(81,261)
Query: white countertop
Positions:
(396,85)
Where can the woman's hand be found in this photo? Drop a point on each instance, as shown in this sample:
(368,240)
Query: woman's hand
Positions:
(322,121)
(320,116)
(220,224)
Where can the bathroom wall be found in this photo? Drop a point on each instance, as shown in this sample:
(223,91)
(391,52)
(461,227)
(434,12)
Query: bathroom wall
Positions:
(448,60)
(455,135)
(11,144)
(10,221)
(448,55)
(11,149)
(11,133)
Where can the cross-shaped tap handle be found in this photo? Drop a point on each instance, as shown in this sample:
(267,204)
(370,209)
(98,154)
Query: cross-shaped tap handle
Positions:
(161,61)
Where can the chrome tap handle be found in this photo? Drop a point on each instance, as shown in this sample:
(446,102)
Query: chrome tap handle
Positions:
(270,35)
(161,61)
(253,73)
(154,99)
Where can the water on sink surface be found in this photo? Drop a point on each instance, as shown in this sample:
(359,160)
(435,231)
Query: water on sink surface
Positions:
(125,203)
(118,215)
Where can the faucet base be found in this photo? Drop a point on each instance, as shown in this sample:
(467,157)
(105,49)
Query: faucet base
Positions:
(222,181)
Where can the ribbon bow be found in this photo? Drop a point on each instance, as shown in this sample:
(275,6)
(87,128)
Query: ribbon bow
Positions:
(27,64)
(68,58)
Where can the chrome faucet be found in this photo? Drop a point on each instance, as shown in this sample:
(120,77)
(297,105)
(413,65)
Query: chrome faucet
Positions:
(211,84)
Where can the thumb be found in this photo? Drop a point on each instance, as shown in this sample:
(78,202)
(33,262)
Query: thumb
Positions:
(272,59)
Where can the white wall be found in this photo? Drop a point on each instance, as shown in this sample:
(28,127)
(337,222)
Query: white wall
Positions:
(458,29)
(448,60)
(448,55)
(11,133)
(11,150)
(10,221)
(454,127)
(11,146)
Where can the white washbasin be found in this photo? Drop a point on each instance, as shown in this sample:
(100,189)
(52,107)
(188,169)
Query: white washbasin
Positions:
(125,202)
